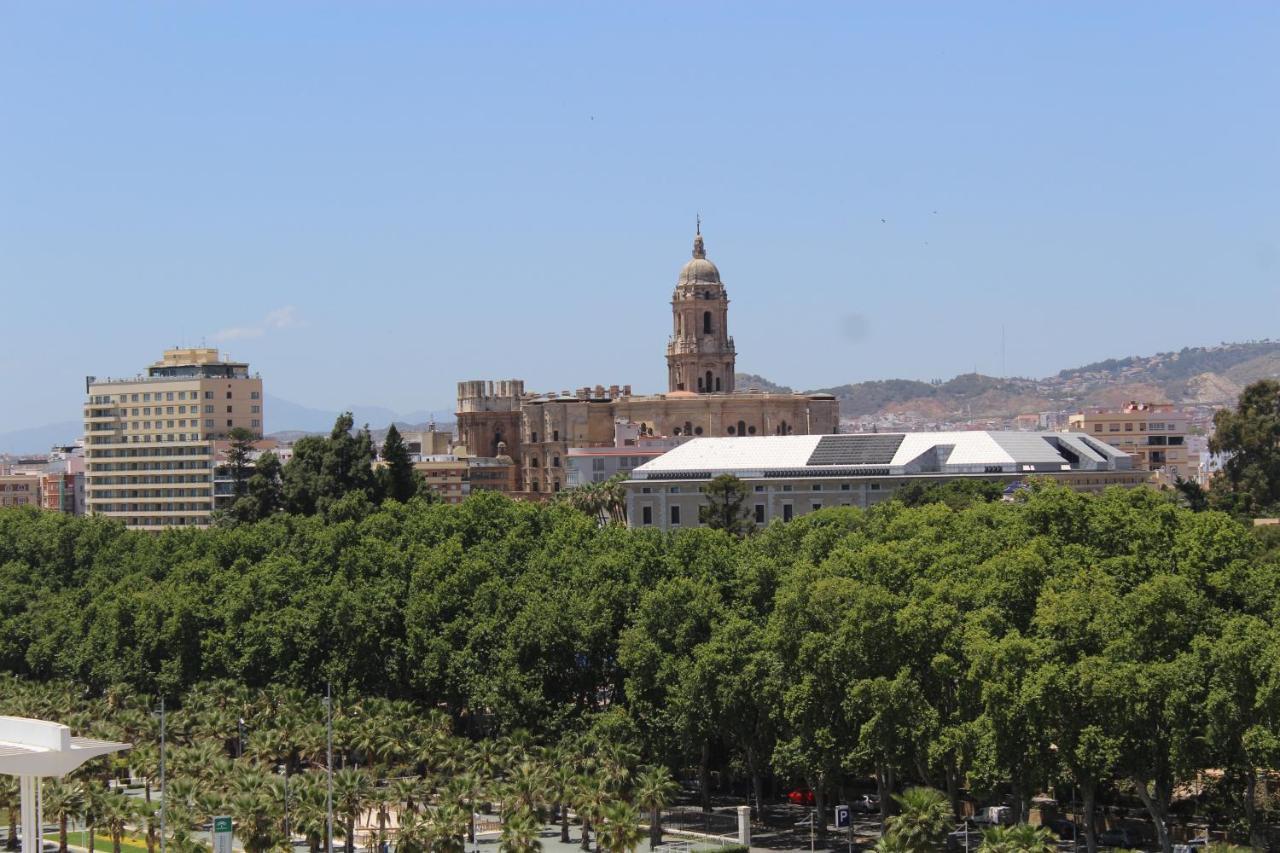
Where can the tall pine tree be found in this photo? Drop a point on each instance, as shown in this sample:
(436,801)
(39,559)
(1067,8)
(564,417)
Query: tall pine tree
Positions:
(399,480)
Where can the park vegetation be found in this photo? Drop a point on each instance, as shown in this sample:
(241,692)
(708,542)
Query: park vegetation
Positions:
(1120,646)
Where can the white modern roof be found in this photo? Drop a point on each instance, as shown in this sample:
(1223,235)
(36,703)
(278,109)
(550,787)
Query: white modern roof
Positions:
(886,454)
(40,748)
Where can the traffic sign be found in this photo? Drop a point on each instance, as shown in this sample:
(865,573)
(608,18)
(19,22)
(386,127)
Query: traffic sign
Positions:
(842,817)
(222,835)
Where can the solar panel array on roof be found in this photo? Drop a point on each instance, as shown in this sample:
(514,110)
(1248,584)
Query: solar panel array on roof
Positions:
(877,449)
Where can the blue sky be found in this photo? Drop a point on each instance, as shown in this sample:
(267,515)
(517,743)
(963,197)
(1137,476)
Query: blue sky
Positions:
(372,201)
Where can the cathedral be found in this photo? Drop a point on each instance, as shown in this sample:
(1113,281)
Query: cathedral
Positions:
(499,418)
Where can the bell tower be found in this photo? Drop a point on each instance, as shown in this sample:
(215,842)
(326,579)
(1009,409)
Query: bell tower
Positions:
(700,353)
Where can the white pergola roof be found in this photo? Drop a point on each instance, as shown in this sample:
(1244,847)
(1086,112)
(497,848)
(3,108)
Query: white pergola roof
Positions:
(41,748)
(902,454)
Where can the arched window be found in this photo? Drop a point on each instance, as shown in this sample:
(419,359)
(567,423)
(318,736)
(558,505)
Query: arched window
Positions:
(706,322)
(742,428)
(555,461)
(688,428)
(533,463)
(708,380)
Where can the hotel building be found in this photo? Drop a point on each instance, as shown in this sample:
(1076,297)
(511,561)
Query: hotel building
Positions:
(149,440)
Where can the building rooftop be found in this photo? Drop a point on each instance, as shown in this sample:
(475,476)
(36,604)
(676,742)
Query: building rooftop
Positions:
(886,454)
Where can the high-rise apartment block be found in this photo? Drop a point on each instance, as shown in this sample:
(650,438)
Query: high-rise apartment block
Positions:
(1154,435)
(149,440)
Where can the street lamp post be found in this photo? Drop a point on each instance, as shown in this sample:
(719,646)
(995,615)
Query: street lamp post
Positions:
(288,839)
(164,806)
(328,710)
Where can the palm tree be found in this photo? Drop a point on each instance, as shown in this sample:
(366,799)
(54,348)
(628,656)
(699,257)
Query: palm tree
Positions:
(620,832)
(118,811)
(654,791)
(520,831)
(149,817)
(924,816)
(352,790)
(560,781)
(62,802)
(1022,838)
(451,824)
(257,814)
(94,798)
(526,787)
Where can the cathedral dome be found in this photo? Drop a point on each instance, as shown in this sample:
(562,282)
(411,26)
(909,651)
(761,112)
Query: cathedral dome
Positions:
(699,270)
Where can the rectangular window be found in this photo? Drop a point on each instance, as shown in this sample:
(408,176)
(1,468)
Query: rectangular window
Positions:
(816,506)
(253,395)
(759,489)
(646,515)
(759,513)
(228,410)
(817,487)
(208,395)
(786,512)
(1097,427)
(675,515)
(255,423)
(208,410)
(786,487)
(255,409)
(844,487)
(168,395)
(1128,427)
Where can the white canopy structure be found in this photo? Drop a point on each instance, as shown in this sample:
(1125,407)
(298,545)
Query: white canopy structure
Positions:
(31,749)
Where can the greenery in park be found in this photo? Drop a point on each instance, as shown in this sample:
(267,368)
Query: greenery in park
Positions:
(1249,435)
(725,506)
(1116,646)
(331,476)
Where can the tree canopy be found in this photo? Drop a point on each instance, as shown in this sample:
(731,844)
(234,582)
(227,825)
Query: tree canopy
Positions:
(1116,644)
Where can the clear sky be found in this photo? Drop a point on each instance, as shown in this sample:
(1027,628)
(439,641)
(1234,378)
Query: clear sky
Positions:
(371,201)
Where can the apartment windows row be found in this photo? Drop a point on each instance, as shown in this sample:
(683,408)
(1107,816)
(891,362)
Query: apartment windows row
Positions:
(147,479)
(116,494)
(131,452)
(759,513)
(167,506)
(1130,426)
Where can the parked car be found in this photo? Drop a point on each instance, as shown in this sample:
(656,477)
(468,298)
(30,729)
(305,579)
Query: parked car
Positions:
(801,797)
(1126,838)
(866,804)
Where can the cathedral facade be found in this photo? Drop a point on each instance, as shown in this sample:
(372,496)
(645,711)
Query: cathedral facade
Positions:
(536,430)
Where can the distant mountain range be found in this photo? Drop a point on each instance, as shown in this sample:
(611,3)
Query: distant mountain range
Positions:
(284,419)
(1194,375)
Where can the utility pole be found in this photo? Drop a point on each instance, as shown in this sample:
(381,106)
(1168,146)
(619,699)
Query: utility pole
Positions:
(328,708)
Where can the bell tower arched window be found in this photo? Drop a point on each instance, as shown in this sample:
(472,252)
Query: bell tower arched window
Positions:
(706,322)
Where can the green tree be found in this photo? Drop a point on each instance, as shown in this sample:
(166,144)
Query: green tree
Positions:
(922,822)
(725,505)
(399,480)
(520,831)
(1249,436)
(1019,838)
(240,459)
(654,790)
(620,832)
(63,801)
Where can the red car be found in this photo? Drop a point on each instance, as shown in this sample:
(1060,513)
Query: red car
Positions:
(801,797)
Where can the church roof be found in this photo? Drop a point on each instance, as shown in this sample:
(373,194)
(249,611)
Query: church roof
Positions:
(699,270)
